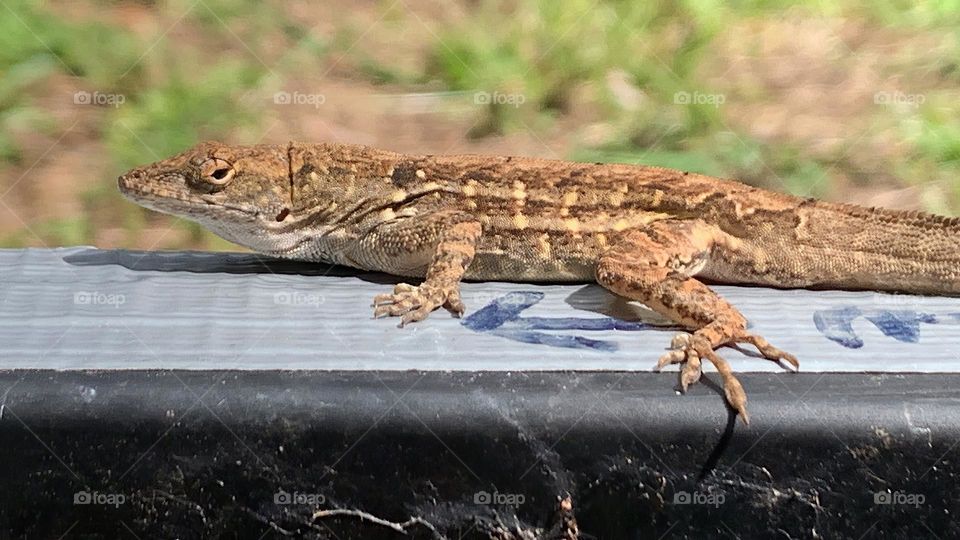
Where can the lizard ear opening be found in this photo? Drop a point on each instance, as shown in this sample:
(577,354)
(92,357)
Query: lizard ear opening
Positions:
(216,172)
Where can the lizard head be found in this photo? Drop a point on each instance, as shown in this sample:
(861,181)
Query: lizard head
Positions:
(239,192)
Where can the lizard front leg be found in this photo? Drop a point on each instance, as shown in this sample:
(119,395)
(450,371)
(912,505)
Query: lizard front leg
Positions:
(447,239)
(655,266)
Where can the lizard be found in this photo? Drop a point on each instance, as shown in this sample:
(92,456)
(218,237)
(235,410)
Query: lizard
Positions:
(649,234)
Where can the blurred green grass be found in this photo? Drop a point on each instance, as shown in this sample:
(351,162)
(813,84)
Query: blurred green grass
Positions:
(196,82)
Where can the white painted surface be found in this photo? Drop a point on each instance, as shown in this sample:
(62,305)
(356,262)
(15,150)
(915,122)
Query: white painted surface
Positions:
(82,308)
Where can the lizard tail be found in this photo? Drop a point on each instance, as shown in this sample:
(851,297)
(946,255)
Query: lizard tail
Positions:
(876,248)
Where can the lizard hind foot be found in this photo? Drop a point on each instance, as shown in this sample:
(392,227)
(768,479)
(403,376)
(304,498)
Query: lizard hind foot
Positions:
(688,350)
(414,303)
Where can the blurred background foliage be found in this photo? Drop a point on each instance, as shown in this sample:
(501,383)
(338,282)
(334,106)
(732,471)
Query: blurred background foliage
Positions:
(851,101)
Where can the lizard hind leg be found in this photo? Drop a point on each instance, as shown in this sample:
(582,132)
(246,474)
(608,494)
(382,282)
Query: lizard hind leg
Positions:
(655,265)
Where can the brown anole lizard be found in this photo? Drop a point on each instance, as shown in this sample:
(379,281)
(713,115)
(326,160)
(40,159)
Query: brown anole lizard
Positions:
(645,233)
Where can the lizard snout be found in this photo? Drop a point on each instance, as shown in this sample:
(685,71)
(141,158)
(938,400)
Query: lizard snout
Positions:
(132,182)
(135,185)
(127,181)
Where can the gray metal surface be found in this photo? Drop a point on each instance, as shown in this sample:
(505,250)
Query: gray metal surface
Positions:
(83,308)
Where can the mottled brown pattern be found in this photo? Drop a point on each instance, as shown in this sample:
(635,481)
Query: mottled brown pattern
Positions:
(645,233)
(404,174)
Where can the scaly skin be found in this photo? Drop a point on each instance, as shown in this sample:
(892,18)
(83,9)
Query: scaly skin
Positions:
(645,233)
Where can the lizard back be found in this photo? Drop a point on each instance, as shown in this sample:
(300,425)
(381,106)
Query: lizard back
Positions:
(542,220)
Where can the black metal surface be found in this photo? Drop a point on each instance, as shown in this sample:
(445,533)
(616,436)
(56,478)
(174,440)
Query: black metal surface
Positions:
(179,454)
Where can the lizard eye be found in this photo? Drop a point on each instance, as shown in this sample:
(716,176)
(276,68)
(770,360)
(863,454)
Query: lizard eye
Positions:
(216,173)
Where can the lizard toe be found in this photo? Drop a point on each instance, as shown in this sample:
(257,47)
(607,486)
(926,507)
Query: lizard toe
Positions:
(690,365)
(454,304)
(670,358)
(769,351)
(401,288)
(397,305)
(415,315)
(691,371)
(681,341)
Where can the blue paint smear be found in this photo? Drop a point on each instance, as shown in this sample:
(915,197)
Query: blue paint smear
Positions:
(501,318)
(836,324)
(553,340)
(902,326)
(574,323)
(505,308)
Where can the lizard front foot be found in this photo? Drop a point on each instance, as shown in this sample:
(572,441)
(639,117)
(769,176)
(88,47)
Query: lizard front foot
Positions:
(414,303)
(688,349)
